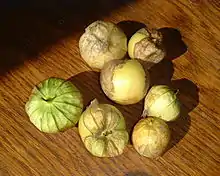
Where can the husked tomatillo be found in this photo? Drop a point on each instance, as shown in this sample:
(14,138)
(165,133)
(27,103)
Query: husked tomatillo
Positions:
(124,81)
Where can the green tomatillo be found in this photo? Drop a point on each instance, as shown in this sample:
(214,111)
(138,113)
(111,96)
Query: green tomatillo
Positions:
(54,105)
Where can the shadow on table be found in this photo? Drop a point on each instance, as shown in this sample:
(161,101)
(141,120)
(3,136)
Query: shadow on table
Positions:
(162,73)
(188,95)
(89,85)
(137,174)
(173,43)
(31,27)
(189,98)
(130,27)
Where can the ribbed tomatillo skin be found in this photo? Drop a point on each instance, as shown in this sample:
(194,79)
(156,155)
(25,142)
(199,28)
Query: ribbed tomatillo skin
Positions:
(162,102)
(103,131)
(151,137)
(54,105)
(101,42)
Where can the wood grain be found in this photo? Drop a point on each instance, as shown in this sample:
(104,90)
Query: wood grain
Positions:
(40,39)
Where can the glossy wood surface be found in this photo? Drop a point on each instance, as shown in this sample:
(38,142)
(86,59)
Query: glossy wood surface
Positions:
(39,39)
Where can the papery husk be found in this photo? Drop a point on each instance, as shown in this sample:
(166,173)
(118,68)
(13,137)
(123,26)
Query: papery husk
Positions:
(102,129)
(150,137)
(54,105)
(101,42)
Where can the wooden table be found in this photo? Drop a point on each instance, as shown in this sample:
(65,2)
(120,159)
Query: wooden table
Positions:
(40,39)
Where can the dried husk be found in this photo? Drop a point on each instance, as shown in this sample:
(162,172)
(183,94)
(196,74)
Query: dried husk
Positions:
(147,45)
(54,105)
(102,129)
(124,81)
(101,42)
(150,137)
